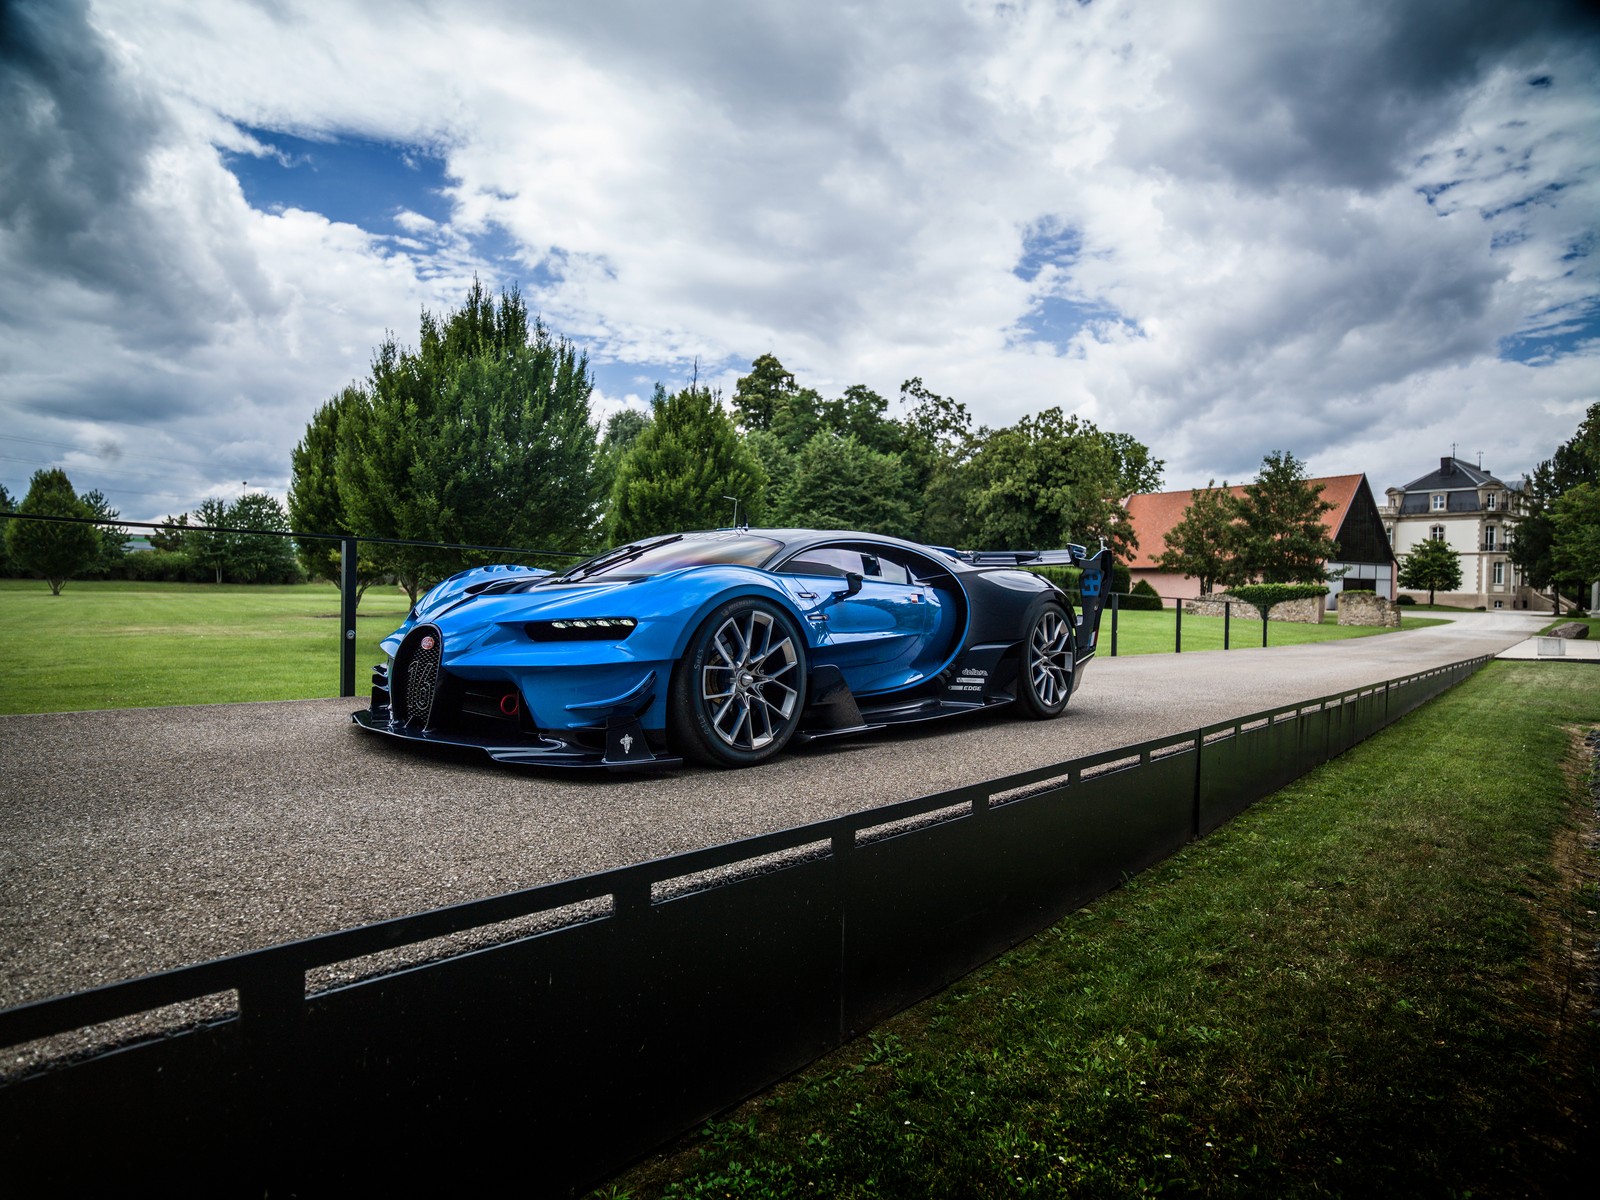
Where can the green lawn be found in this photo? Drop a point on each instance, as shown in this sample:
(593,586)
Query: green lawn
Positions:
(1370,984)
(117,644)
(1156,632)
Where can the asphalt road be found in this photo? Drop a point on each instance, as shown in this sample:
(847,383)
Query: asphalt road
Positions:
(137,840)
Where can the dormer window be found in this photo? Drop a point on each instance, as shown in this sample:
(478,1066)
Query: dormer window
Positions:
(1492,501)
(1438,503)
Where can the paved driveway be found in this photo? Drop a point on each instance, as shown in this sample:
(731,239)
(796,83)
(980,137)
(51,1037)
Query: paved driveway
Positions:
(137,840)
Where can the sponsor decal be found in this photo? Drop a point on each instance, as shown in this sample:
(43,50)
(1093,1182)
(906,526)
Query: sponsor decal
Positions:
(971,679)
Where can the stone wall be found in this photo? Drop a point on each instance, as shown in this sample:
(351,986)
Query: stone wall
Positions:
(1368,608)
(1304,612)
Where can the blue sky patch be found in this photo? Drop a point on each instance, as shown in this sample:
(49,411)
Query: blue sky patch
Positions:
(353,180)
(1559,333)
(1047,244)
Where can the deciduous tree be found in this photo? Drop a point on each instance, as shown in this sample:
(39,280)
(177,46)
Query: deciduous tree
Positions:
(1201,544)
(53,550)
(1431,564)
(1051,478)
(259,557)
(837,483)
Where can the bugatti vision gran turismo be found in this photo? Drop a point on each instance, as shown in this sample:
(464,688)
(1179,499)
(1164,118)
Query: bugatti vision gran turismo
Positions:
(724,646)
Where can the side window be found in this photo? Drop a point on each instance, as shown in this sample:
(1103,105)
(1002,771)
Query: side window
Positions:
(825,560)
(838,561)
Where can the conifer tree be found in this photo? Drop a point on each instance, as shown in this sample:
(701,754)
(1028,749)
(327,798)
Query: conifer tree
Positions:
(682,470)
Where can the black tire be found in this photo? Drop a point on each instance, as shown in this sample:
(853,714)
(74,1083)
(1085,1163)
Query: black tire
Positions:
(1044,683)
(737,695)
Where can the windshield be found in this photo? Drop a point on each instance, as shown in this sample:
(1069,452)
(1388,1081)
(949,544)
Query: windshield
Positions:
(731,547)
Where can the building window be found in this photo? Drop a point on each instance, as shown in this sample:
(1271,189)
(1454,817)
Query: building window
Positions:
(1438,504)
(1390,530)
(1437,533)
(1499,574)
(1488,537)
(1499,603)
(1491,501)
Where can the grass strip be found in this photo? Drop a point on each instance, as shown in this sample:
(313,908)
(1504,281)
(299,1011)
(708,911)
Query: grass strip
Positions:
(1149,632)
(119,644)
(1369,984)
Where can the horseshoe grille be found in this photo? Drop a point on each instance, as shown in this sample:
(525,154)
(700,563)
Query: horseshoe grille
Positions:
(418,666)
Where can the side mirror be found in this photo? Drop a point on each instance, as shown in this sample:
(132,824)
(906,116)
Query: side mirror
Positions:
(852,581)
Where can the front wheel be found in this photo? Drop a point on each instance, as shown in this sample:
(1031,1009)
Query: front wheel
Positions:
(737,695)
(1046,683)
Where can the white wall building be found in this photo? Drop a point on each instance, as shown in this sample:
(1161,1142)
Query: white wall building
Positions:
(1474,514)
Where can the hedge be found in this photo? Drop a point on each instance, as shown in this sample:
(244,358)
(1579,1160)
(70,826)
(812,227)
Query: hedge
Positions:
(1265,595)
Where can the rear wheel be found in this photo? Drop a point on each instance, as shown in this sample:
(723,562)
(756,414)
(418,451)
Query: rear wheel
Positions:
(1046,682)
(738,693)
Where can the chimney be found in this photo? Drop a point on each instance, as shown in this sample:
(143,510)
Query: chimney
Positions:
(1447,466)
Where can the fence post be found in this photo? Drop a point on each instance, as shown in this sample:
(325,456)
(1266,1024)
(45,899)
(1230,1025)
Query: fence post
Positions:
(1114,624)
(1264,619)
(1227,610)
(1177,628)
(347,616)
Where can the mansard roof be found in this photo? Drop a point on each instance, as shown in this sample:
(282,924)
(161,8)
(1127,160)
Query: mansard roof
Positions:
(1452,473)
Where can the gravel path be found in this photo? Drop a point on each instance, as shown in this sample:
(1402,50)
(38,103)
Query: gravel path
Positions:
(137,840)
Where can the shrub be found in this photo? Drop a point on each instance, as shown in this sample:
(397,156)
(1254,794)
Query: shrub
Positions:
(1141,598)
(1265,595)
(161,566)
(1406,600)
(1359,592)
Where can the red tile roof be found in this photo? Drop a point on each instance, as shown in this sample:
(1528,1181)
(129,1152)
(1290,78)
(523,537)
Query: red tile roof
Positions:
(1154,513)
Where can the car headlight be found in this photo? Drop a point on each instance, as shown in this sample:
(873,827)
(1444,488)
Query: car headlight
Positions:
(581,629)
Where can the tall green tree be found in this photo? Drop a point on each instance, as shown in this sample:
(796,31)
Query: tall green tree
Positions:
(1432,566)
(7,504)
(838,483)
(1201,544)
(681,470)
(53,550)
(1051,478)
(759,396)
(1575,550)
(1279,530)
(622,430)
(113,540)
(259,557)
(481,435)
(1533,549)
(314,504)
(210,548)
(938,443)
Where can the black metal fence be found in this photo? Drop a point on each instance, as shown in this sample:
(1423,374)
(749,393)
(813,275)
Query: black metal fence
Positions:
(679,987)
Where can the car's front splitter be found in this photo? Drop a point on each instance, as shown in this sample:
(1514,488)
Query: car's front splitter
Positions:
(627,748)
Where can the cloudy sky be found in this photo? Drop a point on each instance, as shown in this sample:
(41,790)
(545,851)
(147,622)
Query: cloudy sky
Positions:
(1363,232)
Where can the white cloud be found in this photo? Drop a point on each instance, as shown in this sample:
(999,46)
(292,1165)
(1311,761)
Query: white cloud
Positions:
(1269,221)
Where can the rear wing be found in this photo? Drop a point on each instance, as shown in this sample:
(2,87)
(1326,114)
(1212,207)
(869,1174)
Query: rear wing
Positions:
(1093,586)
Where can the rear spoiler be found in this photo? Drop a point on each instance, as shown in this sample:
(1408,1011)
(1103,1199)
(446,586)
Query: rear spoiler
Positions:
(1093,586)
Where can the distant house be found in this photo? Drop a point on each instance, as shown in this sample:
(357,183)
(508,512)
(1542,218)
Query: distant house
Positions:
(1466,507)
(1353,522)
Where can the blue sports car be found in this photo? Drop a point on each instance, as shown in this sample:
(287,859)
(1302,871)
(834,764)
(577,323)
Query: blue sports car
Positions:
(724,646)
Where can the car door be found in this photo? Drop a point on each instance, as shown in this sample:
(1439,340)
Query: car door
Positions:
(874,634)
